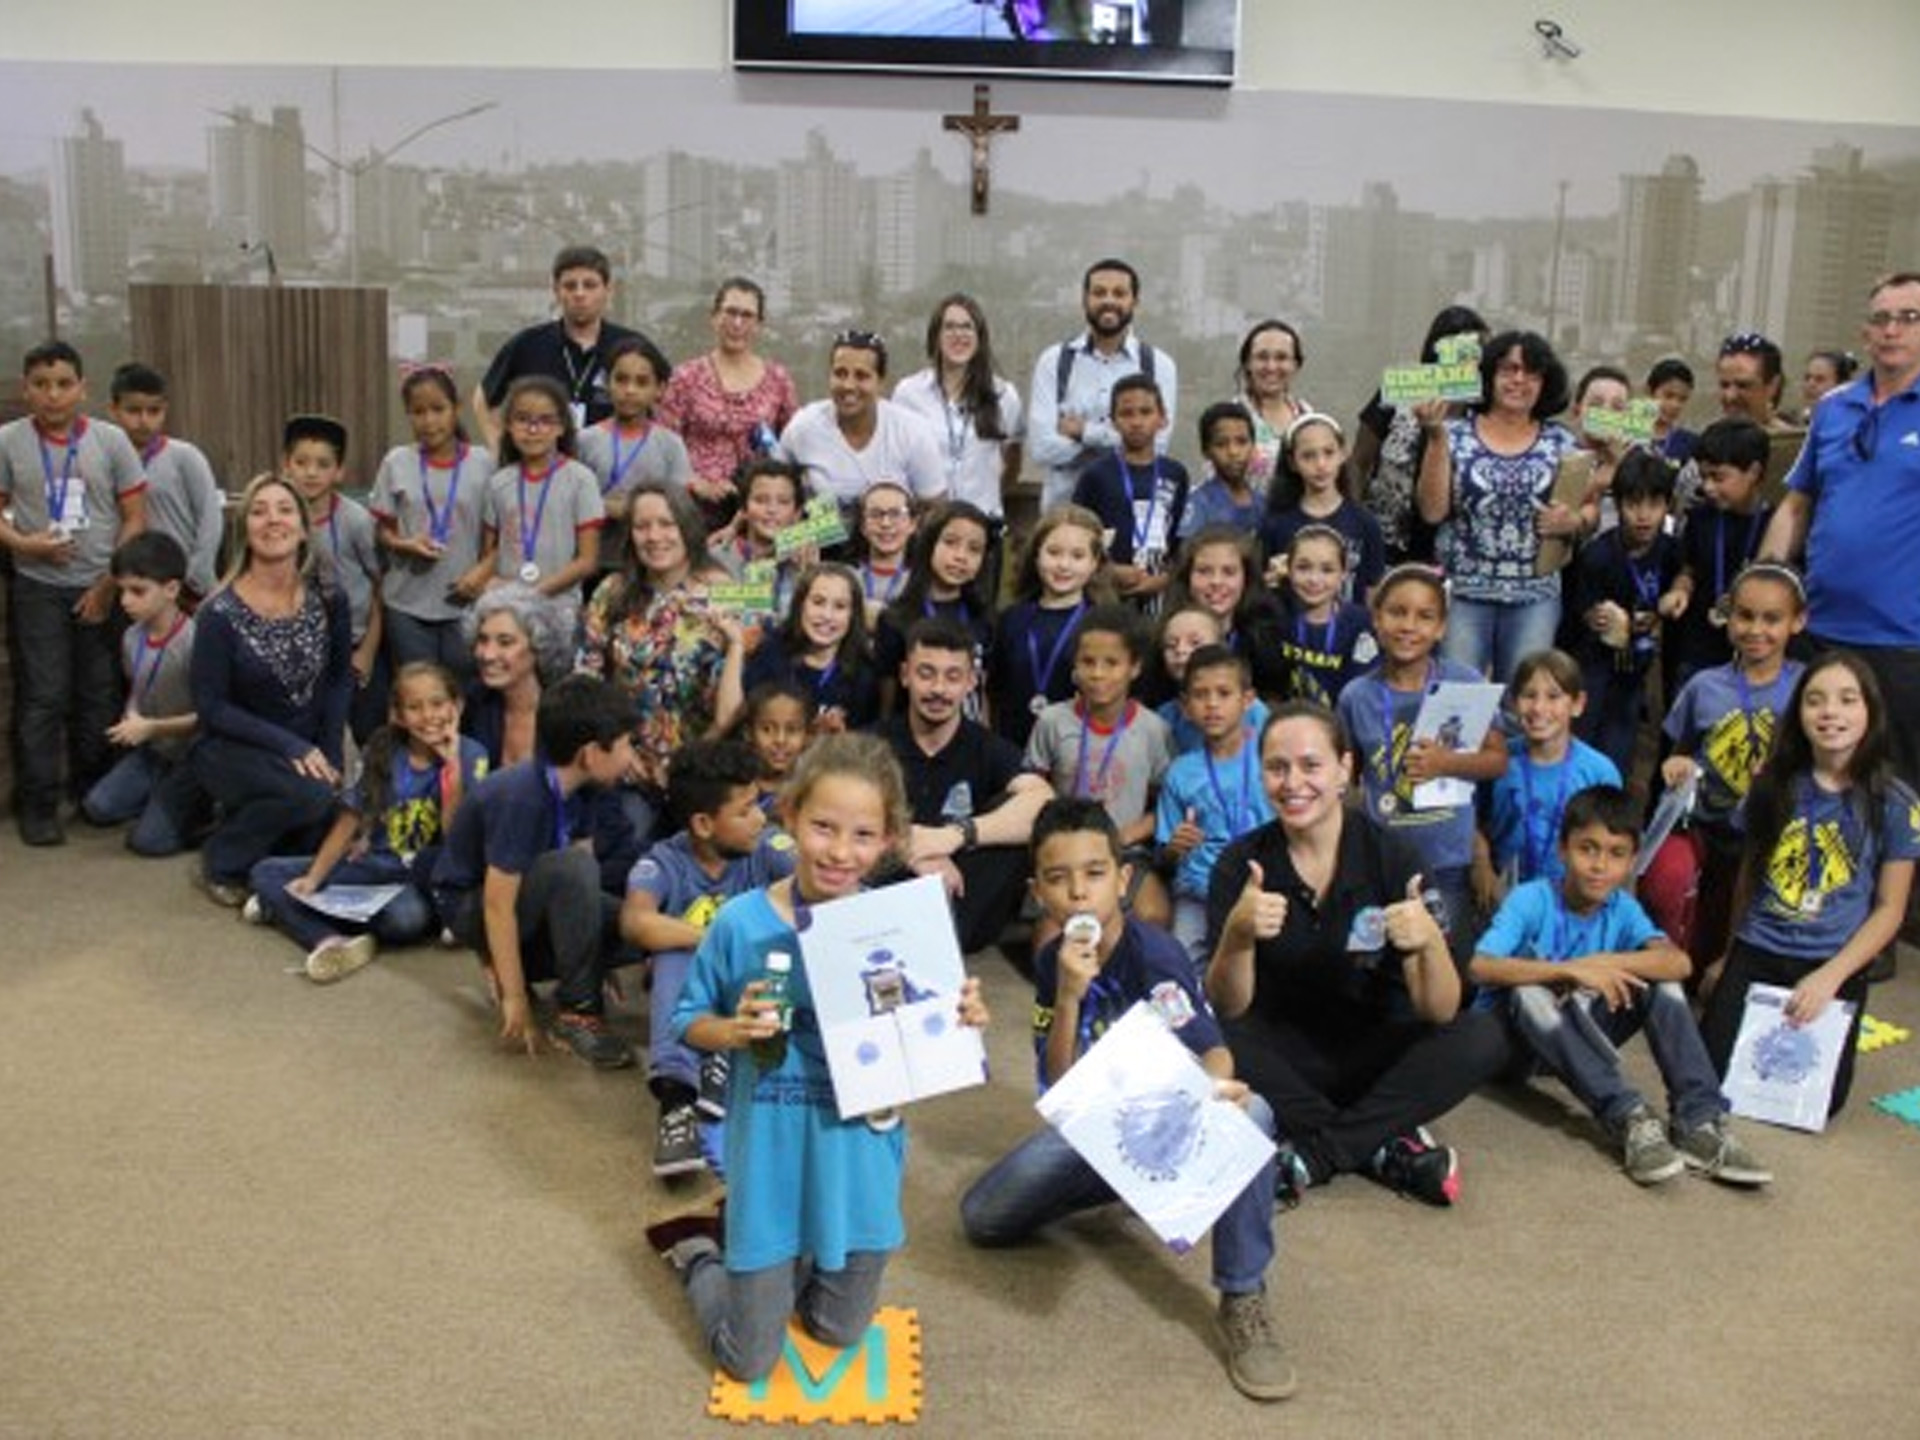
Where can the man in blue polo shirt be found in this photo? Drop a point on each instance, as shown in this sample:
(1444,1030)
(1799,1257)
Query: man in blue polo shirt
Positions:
(1853,504)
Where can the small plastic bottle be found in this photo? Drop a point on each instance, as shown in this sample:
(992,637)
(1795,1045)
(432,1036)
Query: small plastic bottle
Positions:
(777,981)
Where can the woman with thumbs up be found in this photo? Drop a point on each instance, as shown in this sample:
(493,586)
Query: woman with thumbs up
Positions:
(1341,997)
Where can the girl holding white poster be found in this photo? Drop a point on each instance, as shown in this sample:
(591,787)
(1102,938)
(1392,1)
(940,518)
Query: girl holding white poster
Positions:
(803,1183)
(1831,837)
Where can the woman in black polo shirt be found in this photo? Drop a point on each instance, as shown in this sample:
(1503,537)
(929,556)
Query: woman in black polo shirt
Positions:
(1341,996)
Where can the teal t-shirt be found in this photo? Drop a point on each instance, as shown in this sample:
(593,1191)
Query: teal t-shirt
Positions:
(801,1181)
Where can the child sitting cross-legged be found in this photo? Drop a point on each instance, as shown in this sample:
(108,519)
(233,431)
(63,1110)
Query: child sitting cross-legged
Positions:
(1577,967)
(1084,982)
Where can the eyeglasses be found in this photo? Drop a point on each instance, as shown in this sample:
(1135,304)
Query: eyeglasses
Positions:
(533,422)
(1866,435)
(888,515)
(1893,319)
(860,340)
(957,327)
(1747,342)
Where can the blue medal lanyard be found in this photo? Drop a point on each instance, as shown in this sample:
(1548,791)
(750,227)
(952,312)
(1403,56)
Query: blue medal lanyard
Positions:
(822,680)
(152,448)
(440,521)
(1566,931)
(620,467)
(1329,639)
(1043,678)
(893,583)
(1142,529)
(1749,541)
(1534,848)
(1080,787)
(57,488)
(530,536)
(1855,848)
(143,687)
(1391,764)
(1748,713)
(1240,812)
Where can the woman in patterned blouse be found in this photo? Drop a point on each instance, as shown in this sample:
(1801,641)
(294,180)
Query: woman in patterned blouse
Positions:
(650,630)
(727,405)
(271,678)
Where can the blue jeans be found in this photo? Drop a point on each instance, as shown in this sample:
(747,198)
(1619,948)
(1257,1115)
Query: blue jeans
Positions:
(267,807)
(1576,1037)
(744,1313)
(667,1058)
(1493,639)
(1043,1179)
(68,692)
(160,796)
(1190,929)
(405,919)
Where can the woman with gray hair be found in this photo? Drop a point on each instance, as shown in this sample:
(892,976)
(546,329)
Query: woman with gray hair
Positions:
(521,642)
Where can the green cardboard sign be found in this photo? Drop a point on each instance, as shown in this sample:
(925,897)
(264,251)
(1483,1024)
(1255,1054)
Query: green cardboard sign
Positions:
(820,525)
(1631,426)
(748,597)
(1406,385)
(1462,349)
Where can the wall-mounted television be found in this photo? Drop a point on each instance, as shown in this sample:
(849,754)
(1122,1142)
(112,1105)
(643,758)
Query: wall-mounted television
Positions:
(1188,41)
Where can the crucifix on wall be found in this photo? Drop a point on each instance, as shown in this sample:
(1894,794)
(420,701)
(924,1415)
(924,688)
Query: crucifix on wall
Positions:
(980,126)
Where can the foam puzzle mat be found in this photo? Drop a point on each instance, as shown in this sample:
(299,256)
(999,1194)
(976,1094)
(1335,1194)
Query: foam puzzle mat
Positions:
(873,1382)
(1877,1034)
(1903,1105)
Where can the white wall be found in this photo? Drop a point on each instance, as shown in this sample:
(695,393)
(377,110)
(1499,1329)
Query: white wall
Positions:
(1849,60)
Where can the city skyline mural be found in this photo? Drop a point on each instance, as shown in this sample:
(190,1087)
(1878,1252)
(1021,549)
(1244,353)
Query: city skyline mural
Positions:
(1623,235)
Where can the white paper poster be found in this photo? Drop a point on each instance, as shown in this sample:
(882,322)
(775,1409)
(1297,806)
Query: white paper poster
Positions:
(1783,1073)
(885,969)
(1140,1109)
(1456,715)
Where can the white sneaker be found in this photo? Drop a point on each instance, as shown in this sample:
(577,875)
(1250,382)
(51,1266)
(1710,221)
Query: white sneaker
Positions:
(253,912)
(336,958)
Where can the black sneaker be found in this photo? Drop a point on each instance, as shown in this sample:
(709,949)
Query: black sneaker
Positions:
(1415,1165)
(1292,1177)
(714,1070)
(676,1142)
(589,1038)
(41,827)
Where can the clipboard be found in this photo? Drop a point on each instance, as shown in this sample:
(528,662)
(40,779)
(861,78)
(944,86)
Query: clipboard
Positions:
(1571,482)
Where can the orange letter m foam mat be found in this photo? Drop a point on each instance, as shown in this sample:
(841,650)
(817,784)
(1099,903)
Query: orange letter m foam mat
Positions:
(874,1381)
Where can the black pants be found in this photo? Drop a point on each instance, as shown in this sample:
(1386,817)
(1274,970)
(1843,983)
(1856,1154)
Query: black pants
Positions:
(568,926)
(1338,1098)
(1747,965)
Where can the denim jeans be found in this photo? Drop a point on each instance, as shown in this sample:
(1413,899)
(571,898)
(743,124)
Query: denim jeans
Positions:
(160,796)
(68,693)
(667,1058)
(438,642)
(267,807)
(568,926)
(1493,639)
(744,1313)
(1577,1035)
(1190,929)
(405,919)
(1043,1179)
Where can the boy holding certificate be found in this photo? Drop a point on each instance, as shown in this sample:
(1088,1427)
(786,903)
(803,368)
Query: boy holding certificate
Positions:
(1577,966)
(1099,967)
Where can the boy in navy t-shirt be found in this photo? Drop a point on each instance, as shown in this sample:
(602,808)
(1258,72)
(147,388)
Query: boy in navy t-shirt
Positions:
(724,848)
(1085,981)
(1139,494)
(1577,967)
(517,879)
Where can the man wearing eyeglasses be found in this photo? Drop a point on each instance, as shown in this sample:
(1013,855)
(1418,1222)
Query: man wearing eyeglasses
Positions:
(1853,507)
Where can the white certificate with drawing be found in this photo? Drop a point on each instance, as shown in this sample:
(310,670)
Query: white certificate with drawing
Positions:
(1456,715)
(1139,1108)
(885,970)
(1783,1073)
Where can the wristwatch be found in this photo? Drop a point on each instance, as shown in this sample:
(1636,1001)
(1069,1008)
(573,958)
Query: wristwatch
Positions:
(969,833)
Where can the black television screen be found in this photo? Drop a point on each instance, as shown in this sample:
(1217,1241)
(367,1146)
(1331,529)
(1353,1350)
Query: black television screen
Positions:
(1189,41)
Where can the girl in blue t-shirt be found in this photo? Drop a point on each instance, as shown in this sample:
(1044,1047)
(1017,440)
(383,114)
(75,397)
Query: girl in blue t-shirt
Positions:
(387,831)
(1831,837)
(1519,837)
(804,1184)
